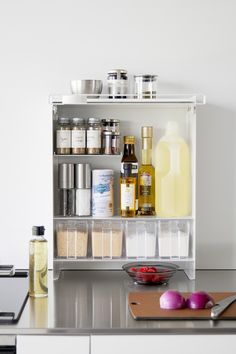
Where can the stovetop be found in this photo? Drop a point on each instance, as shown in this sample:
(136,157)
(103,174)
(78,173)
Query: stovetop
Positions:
(13,296)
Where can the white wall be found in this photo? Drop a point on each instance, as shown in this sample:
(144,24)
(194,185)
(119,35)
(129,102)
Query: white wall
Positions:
(43,44)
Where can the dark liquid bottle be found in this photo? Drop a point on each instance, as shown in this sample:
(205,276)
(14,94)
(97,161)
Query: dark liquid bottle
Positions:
(130,158)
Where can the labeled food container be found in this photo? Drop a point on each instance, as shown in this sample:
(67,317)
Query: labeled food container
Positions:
(63,136)
(72,240)
(107,239)
(78,136)
(173,239)
(140,239)
(94,136)
(145,86)
(117,83)
(102,193)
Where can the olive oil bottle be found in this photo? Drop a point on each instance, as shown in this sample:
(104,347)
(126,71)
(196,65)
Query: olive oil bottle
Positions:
(127,192)
(129,157)
(146,175)
(38,263)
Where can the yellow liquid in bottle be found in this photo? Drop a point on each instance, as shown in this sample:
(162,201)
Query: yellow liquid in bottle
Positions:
(38,268)
(173,178)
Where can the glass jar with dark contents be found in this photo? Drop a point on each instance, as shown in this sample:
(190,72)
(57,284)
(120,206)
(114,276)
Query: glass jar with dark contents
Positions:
(145,86)
(117,82)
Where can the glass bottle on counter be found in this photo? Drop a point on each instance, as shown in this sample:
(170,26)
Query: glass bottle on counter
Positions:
(146,198)
(38,263)
(63,136)
(130,158)
(94,136)
(78,136)
(127,192)
(66,189)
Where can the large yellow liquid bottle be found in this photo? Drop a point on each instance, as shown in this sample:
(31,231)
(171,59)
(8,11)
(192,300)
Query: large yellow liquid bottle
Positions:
(173,174)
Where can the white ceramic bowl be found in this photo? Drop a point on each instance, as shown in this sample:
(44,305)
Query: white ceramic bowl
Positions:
(86,87)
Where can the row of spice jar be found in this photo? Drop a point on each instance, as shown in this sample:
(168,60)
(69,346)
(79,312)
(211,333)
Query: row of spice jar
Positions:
(164,239)
(95,136)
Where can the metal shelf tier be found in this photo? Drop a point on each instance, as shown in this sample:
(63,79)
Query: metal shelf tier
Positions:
(162,98)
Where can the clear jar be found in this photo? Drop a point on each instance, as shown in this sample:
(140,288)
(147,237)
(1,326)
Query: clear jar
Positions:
(117,82)
(107,142)
(145,86)
(78,136)
(94,136)
(115,144)
(63,136)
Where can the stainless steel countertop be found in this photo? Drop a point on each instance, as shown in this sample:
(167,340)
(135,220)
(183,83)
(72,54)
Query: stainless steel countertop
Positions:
(95,302)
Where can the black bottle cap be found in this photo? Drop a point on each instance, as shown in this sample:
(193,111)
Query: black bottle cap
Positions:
(38,230)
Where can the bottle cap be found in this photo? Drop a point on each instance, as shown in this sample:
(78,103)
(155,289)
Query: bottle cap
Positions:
(129,139)
(82,176)
(66,176)
(38,230)
(147,132)
(64,120)
(172,128)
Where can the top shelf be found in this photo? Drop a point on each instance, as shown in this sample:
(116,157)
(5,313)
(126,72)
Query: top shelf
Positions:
(196,99)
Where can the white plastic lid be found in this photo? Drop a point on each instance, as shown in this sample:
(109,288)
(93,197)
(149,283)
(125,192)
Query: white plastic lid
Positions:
(172,128)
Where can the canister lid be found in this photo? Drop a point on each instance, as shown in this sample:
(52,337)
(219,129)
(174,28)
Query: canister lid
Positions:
(117,71)
(82,176)
(146,77)
(66,176)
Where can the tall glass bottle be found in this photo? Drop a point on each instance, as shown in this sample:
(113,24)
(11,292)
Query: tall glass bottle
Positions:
(127,192)
(146,175)
(38,263)
(130,158)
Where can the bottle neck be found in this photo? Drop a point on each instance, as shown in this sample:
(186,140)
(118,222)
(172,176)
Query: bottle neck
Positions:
(146,151)
(129,149)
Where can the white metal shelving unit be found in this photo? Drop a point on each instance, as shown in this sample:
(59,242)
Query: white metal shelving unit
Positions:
(133,114)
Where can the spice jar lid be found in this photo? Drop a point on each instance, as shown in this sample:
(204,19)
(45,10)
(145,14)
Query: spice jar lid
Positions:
(94,120)
(82,176)
(106,120)
(64,120)
(66,176)
(129,139)
(77,120)
(113,120)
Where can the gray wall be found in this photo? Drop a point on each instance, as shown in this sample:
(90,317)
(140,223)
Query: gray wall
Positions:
(189,44)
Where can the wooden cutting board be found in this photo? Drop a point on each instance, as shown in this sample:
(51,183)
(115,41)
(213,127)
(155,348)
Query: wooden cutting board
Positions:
(146,306)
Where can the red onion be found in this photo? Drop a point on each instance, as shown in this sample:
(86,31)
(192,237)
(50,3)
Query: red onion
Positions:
(199,300)
(172,300)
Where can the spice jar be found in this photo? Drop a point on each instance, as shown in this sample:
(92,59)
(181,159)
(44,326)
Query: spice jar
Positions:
(117,82)
(78,136)
(94,136)
(63,136)
(106,142)
(115,143)
(145,86)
